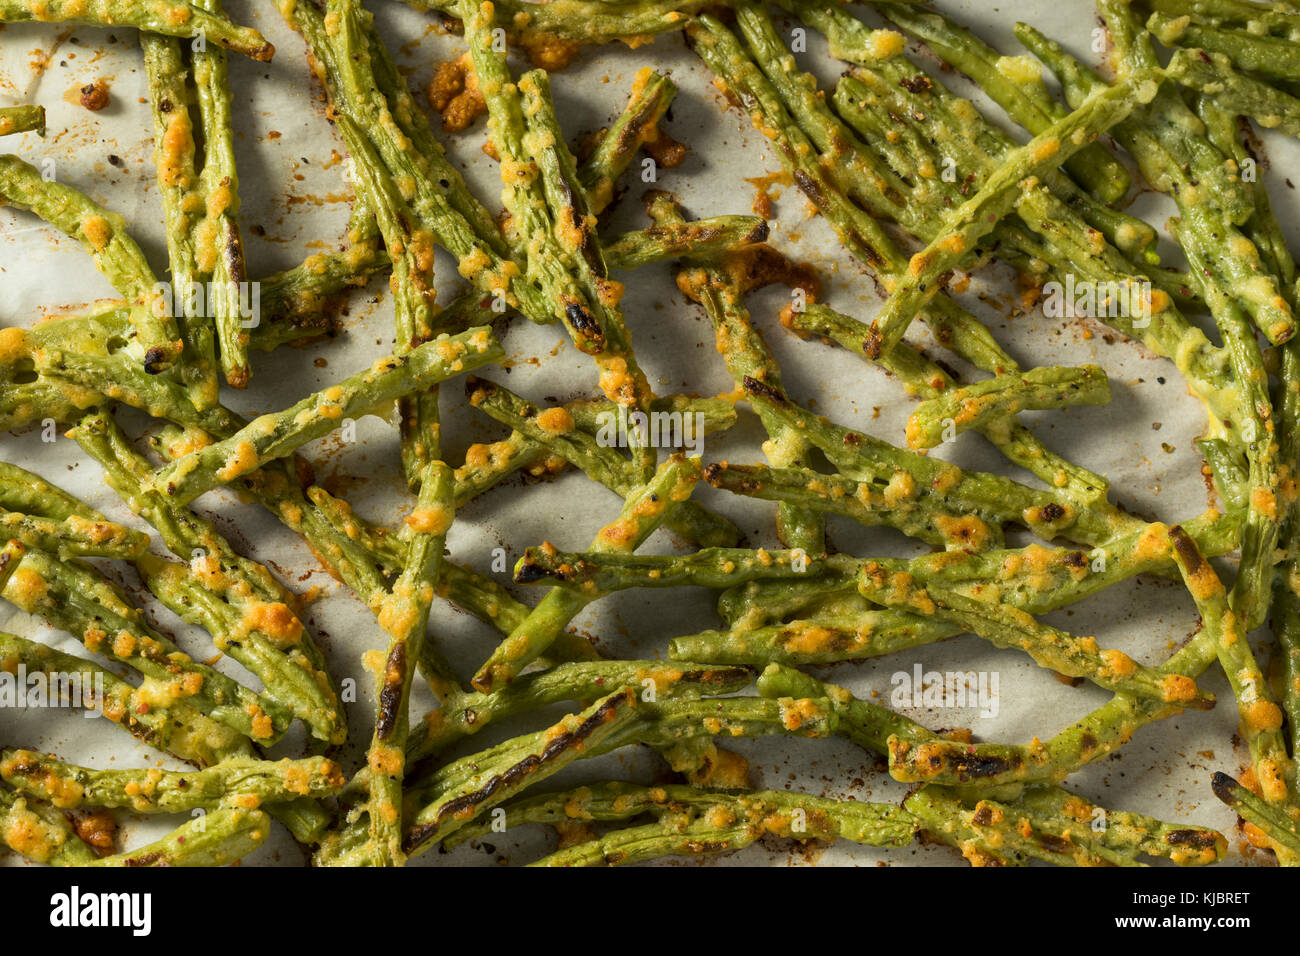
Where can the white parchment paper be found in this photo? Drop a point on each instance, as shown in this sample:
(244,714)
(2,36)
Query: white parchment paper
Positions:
(295,200)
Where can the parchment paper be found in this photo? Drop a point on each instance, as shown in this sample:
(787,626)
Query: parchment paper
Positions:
(295,198)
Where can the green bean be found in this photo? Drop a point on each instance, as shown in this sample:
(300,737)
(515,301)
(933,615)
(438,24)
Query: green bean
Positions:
(411,283)
(1260,717)
(964,493)
(74,597)
(918,127)
(669,726)
(651,95)
(29,493)
(731,822)
(74,535)
(412,279)
(123,380)
(921,376)
(781,812)
(40,833)
(487,465)
(819,640)
(294,301)
(1212,199)
(861,234)
(247,612)
(405,617)
(175,728)
(1276,822)
(862,501)
(1230,479)
(701,239)
(621,377)
(1285,610)
(11,553)
(460,585)
(1255,433)
(1036,579)
(582,21)
(532,233)
(1243,14)
(1214,75)
(1223,128)
(866,724)
(607,725)
(218,245)
(43,400)
(279,489)
(405,613)
(967,133)
(600,462)
(765,602)
(582,681)
(103,234)
(1083,742)
(1009,627)
(969,222)
(1055,810)
(1192,170)
(1271,56)
(748,358)
(491,784)
(175,159)
(655,841)
(1027,102)
(988,834)
(860,174)
(22,119)
(908,116)
(266,637)
(953,412)
(278,435)
(218,838)
(432,156)
(712,568)
(1157,137)
(642,513)
(167,18)
(234,782)
(1033,579)
(356,90)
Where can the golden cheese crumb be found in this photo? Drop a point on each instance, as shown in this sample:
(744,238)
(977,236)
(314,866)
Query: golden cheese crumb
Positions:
(555,421)
(429,520)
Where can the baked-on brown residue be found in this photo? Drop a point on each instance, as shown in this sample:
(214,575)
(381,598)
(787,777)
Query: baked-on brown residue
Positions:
(665,150)
(99,829)
(94,96)
(454,94)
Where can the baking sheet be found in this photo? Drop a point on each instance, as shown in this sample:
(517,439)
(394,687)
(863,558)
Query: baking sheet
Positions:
(295,201)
